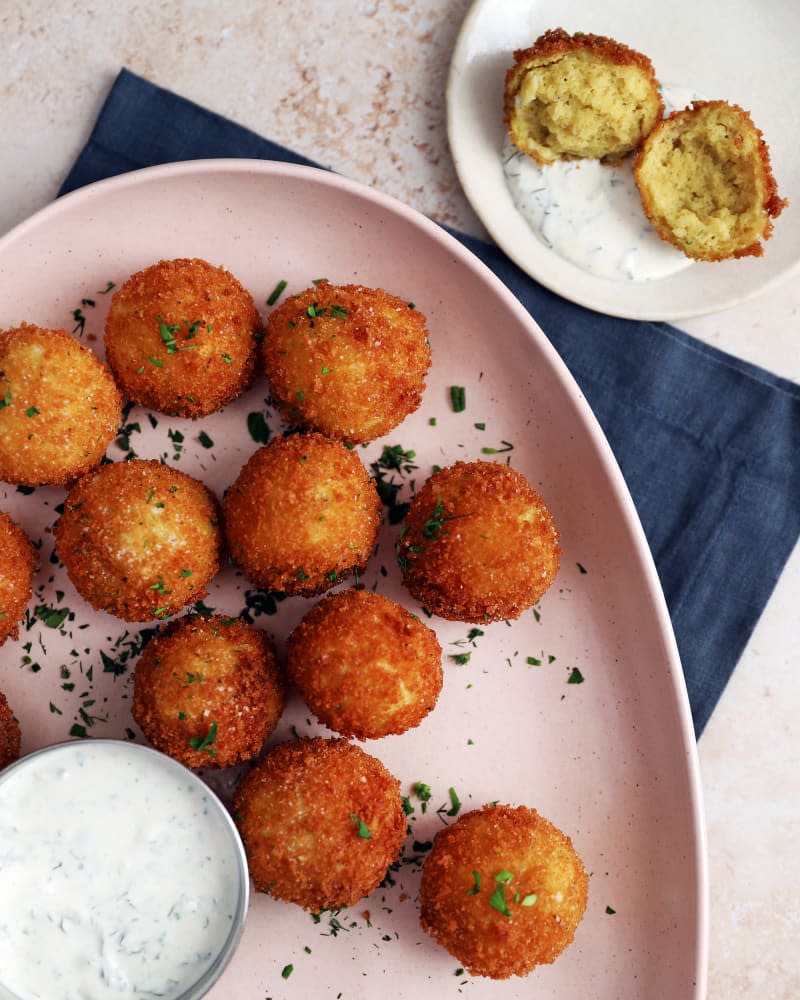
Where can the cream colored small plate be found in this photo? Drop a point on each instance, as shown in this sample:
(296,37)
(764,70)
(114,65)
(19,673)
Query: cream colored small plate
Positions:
(725,50)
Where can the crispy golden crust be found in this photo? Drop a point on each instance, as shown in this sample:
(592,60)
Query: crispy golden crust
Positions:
(522,907)
(208,691)
(9,734)
(365,666)
(582,95)
(478,544)
(139,539)
(321,822)
(181,337)
(17,567)
(706,182)
(302,514)
(59,407)
(346,360)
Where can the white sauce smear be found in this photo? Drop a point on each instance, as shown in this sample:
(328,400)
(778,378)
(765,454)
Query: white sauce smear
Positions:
(592,214)
(118,876)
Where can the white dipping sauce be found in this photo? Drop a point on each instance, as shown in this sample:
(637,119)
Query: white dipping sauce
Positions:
(120,875)
(591,214)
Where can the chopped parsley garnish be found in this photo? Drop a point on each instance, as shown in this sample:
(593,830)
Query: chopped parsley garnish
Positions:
(476,884)
(258,428)
(31,411)
(6,400)
(507,446)
(575,677)
(363,829)
(581,568)
(434,524)
(276,292)
(287,971)
(610,910)
(205,440)
(460,659)
(423,793)
(458,398)
(455,802)
(205,744)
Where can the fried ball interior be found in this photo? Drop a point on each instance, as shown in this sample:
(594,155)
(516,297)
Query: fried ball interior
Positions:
(17,567)
(365,666)
(181,337)
(706,183)
(580,96)
(321,822)
(9,734)
(59,407)
(207,691)
(503,890)
(346,360)
(139,539)
(302,514)
(478,543)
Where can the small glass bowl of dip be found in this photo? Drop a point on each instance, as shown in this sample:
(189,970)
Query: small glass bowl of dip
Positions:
(122,875)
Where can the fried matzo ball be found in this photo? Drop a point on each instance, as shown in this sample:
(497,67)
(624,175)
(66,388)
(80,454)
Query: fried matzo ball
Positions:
(207,691)
(580,96)
(706,183)
(182,337)
(59,407)
(17,566)
(346,360)
(478,544)
(9,734)
(302,514)
(139,539)
(321,822)
(365,666)
(503,890)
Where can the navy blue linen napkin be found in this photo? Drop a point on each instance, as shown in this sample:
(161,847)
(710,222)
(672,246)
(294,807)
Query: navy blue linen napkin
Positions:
(709,445)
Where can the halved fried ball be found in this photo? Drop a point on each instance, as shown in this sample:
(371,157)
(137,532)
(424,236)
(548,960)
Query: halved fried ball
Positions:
(207,691)
(302,514)
(365,666)
(139,539)
(581,95)
(321,822)
(346,360)
(9,734)
(706,183)
(17,566)
(59,406)
(181,337)
(478,544)
(503,890)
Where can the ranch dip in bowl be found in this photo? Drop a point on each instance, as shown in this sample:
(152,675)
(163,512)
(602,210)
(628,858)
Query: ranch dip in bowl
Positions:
(122,875)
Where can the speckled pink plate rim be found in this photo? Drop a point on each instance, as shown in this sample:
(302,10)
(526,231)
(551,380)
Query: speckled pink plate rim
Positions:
(613,762)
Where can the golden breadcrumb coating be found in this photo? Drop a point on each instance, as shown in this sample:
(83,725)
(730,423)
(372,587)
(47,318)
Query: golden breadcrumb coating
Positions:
(9,734)
(321,822)
(478,543)
(139,539)
(706,183)
(503,890)
(208,691)
(182,337)
(17,566)
(302,514)
(346,360)
(365,665)
(581,95)
(59,407)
